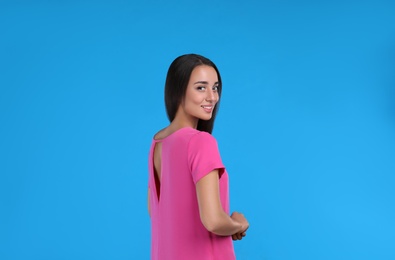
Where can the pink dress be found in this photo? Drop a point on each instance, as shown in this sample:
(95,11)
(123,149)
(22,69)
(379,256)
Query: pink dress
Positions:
(176,229)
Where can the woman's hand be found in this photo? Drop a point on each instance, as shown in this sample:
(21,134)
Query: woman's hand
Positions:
(239,217)
(238,236)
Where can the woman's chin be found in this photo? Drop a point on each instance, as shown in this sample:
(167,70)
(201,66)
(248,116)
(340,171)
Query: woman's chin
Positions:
(205,118)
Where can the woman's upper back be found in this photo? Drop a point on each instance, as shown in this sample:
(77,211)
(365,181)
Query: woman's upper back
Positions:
(186,155)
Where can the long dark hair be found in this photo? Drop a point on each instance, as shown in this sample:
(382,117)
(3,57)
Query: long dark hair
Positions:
(177,79)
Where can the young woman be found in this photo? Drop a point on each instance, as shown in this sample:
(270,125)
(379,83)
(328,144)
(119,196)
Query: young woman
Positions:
(188,198)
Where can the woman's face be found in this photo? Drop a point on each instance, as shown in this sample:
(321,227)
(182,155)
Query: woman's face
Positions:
(202,93)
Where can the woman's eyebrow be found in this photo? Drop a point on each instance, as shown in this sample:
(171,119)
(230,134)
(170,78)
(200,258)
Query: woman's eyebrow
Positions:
(200,82)
(204,82)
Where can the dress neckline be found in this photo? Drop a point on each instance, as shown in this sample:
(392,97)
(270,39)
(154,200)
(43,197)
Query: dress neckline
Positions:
(178,130)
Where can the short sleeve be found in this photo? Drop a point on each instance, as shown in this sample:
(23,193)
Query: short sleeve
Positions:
(203,156)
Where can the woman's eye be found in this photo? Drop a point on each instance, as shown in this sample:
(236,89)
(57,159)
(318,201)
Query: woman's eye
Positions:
(200,88)
(215,88)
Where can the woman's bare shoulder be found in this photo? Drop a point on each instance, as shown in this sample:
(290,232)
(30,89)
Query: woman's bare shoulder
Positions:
(161,133)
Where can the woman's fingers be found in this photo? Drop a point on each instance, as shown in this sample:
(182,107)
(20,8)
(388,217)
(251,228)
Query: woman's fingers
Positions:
(239,236)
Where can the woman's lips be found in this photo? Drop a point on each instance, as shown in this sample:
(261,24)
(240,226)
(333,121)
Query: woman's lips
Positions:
(208,108)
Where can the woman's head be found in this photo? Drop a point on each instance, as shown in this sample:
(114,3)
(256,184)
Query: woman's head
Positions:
(199,98)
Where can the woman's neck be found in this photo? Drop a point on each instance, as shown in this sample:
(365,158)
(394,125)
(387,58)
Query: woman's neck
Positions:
(182,120)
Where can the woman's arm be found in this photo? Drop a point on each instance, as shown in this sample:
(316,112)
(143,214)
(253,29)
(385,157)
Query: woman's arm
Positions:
(213,217)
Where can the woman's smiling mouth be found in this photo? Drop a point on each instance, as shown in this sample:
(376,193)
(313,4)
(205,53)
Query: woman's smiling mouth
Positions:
(208,108)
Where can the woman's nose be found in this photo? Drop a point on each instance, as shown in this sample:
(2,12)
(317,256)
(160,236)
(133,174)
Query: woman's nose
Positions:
(210,96)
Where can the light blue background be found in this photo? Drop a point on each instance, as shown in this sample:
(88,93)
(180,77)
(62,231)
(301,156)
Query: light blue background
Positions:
(306,126)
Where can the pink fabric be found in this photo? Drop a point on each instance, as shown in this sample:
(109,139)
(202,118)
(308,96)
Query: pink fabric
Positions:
(177,231)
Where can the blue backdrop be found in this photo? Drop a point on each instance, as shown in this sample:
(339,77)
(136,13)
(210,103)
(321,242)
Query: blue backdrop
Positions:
(306,126)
